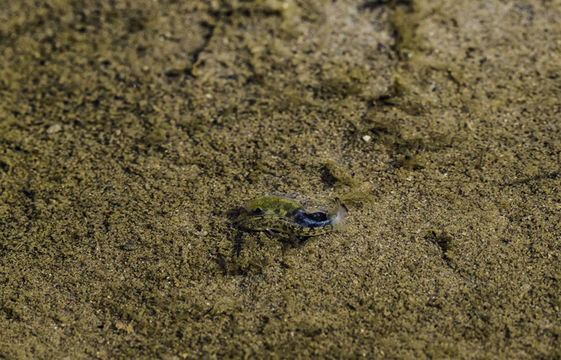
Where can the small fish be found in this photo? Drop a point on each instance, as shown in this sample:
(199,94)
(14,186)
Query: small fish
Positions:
(284,217)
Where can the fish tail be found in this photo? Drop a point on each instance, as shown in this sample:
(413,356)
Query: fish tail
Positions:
(338,215)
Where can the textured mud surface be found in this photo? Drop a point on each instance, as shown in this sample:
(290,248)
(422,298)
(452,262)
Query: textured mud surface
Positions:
(131,132)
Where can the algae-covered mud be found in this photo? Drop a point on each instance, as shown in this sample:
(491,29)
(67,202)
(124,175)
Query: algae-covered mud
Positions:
(132,133)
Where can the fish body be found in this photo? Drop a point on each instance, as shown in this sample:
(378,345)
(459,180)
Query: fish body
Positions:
(285,217)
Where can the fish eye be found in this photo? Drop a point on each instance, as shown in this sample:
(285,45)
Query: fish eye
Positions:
(257,211)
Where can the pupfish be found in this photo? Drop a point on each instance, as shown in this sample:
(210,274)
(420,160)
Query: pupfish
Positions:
(285,217)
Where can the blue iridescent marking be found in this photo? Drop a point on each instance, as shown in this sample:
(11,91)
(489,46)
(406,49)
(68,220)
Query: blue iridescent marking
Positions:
(311,220)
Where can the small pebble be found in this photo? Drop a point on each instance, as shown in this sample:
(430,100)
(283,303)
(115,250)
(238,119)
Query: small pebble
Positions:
(54,128)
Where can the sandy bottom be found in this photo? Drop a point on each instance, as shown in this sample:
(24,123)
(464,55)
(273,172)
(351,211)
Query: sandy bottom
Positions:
(131,135)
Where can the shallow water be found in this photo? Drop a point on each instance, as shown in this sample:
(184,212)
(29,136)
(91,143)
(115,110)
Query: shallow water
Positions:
(131,133)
